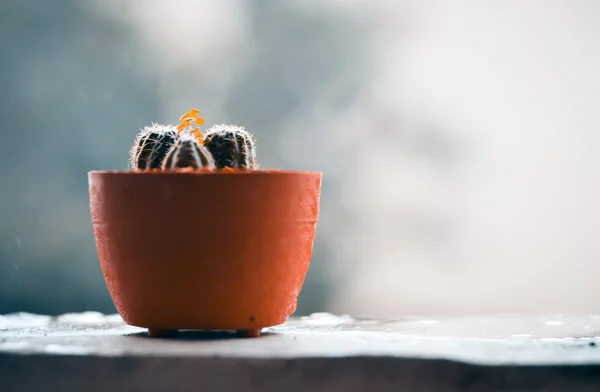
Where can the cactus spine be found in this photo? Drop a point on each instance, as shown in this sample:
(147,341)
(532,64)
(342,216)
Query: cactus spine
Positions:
(187,152)
(151,146)
(231,146)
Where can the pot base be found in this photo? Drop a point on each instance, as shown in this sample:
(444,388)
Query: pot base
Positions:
(243,333)
(249,333)
(159,333)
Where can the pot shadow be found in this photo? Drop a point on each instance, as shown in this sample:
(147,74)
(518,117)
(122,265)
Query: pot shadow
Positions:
(198,335)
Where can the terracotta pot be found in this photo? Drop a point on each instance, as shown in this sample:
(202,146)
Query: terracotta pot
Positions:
(202,250)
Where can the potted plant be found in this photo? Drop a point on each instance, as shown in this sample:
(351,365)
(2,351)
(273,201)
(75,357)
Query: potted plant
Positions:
(195,236)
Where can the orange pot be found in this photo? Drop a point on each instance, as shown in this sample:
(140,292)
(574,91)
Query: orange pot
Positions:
(204,250)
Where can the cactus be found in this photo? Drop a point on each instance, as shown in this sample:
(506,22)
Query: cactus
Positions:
(187,152)
(231,146)
(151,146)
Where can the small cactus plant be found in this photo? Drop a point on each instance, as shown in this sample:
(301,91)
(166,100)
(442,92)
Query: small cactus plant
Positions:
(188,152)
(231,146)
(151,146)
(163,147)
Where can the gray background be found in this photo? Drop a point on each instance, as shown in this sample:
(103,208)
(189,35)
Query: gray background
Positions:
(458,141)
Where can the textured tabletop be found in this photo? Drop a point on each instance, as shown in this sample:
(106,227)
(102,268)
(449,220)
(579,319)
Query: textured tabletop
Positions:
(91,351)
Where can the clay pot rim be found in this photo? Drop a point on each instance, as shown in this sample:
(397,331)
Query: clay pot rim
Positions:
(269,172)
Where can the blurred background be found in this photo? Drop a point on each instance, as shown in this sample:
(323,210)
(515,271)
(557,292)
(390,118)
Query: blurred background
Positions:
(458,140)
